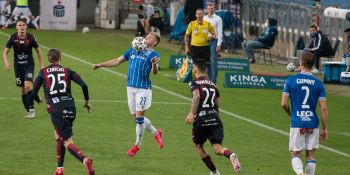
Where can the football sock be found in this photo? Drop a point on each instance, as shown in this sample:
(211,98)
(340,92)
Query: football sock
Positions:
(74,150)
(25,102)
(35,23)
(61,151)
(140,129)
(149,127)
(310,167)
(227,153)
(209,163)
(30,100)
(297,165)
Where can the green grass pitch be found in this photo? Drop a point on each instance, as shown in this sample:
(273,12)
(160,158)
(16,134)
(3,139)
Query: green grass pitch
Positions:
(105,134)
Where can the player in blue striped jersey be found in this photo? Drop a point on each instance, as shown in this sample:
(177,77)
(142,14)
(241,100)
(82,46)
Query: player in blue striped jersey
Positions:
(139,87)
(305,91)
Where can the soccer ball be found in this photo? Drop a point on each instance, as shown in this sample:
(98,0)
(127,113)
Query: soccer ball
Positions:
(291,67)
(85,30)
(139,43)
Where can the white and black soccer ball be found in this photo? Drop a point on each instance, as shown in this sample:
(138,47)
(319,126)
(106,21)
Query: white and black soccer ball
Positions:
(291,67)
(139,43)
(85,30)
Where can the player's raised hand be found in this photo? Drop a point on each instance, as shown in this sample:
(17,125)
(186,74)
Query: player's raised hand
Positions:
(96,66)
(189,118)
(324,134)
(87,106)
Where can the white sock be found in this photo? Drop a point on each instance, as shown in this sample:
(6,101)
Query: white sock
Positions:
(140,129)
(297,165)
(310,167)
(149,127)
(35,23)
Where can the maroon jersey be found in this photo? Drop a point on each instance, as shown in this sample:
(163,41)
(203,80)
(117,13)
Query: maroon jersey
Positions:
(208,94)
(22,48)
(56,82)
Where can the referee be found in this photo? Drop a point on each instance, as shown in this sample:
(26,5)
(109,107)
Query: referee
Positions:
(201,32)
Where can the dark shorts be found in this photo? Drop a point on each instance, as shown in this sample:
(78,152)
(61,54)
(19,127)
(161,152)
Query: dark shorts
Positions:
(62,119)
(200,54)
(214,133)
(24,73)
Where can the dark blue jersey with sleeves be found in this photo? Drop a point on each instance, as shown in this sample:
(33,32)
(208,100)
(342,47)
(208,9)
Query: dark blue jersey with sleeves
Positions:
(56,82)
(22,48)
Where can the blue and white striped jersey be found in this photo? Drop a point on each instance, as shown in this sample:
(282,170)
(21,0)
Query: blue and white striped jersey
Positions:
(139,67)
(304,91)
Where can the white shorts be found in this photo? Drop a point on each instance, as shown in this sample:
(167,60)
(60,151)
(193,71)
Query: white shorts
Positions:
(301,139)
(139,99)
(22,10)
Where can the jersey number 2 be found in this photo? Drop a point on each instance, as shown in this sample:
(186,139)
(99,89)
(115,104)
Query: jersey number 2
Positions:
(307,94)
(59,81)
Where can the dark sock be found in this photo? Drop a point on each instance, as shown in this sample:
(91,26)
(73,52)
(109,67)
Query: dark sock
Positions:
(74,150)
(25,102)
(227,153)
(61,151)
(30,100)
(209,163)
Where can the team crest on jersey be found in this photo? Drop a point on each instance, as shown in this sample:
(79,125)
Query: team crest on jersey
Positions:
(30,75)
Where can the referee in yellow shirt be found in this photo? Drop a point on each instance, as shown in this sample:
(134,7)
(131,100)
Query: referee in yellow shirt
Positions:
(201,32)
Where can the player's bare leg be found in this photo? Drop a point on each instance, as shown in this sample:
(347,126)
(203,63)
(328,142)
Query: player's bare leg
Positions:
(297,164)
(206,159)
(310,162)
(219,150)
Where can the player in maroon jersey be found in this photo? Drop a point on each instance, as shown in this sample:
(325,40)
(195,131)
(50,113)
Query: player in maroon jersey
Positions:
(23,43)
(56,82)
(204,115)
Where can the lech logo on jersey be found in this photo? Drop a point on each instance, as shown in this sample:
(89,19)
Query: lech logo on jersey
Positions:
(58,10)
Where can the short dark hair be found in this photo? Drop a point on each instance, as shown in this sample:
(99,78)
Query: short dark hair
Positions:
(314,26)
(53,55)
(200,9)
(21,20)
(347,30)
(307,60)
(201,66)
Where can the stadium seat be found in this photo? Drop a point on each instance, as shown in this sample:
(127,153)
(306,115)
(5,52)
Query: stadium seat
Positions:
(263,50)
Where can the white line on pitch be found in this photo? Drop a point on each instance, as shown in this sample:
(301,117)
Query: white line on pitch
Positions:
(189,99)
(109,101)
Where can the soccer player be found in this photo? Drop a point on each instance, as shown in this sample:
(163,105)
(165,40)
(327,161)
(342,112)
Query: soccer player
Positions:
(21,9)
(305,91)
(139,87)
(204,115)
(56,81)
(23,43)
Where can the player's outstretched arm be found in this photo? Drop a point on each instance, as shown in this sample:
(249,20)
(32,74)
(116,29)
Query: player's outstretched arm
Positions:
(6,58)
(195,102)
(284,104)
(110,63)
(40,57)
(324,114)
